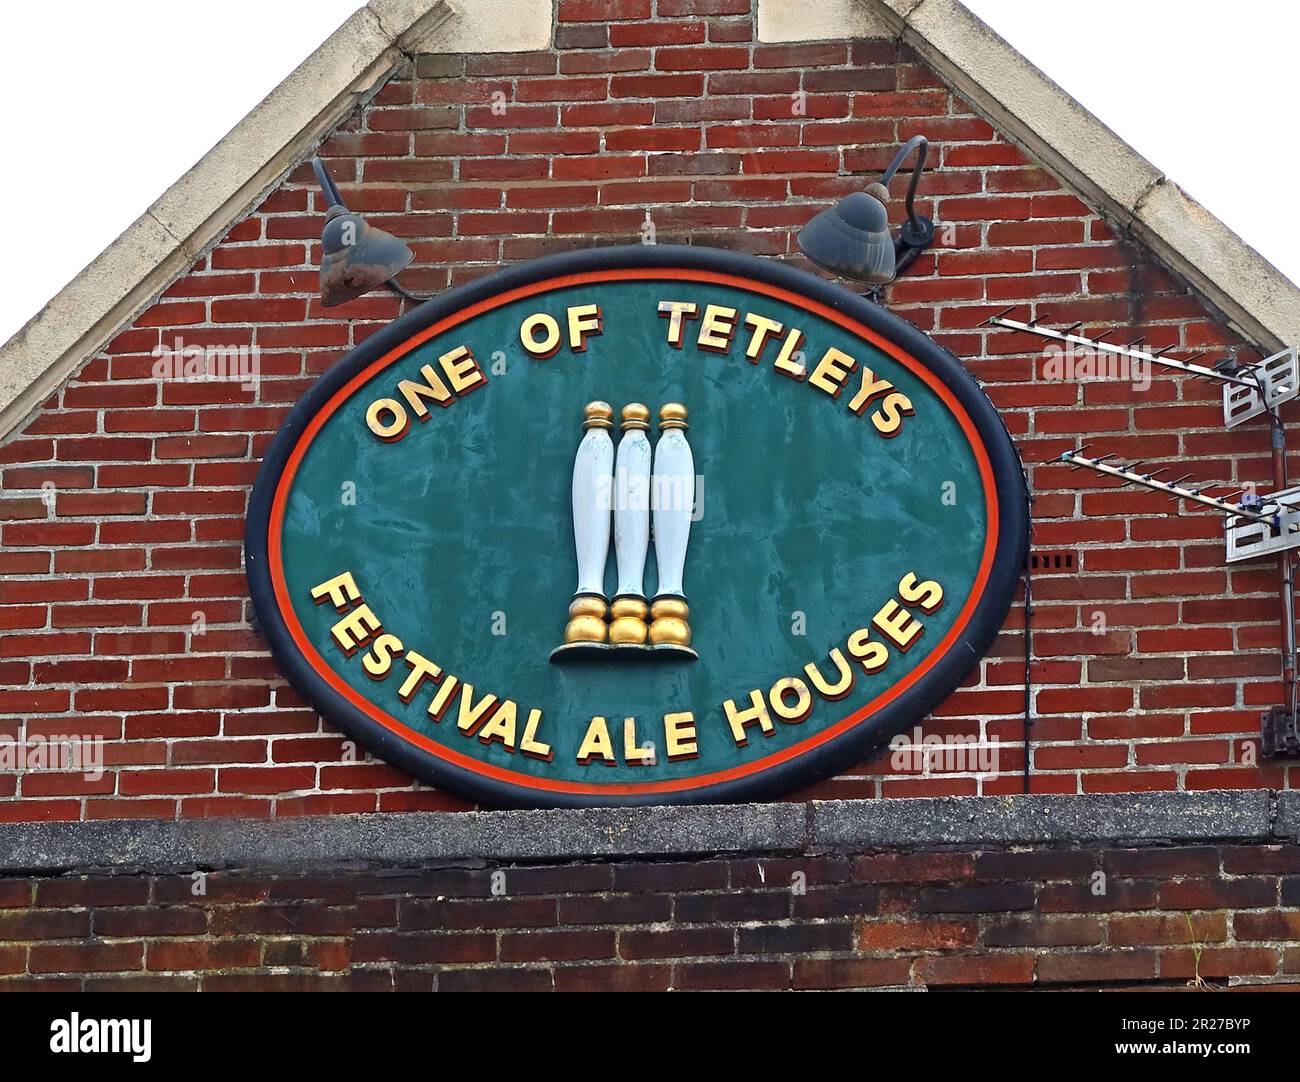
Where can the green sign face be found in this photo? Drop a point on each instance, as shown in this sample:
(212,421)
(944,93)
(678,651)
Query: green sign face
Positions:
(636,525)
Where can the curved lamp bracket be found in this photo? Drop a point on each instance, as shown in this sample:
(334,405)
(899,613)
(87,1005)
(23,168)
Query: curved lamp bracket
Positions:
(917,232)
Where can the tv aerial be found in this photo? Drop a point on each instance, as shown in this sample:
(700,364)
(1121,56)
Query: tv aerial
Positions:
(1255,525)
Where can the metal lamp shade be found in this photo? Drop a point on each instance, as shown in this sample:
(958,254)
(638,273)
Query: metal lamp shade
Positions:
(357,257)
(851,240)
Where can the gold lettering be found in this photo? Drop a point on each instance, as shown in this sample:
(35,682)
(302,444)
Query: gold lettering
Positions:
(473,714)
(597,744)
(548,345)
(388,431)
(443,696)
(898,625)
(716,328)
(502,726)
(633,754)
(679,736)
(870,389)
(893,409)
(432,389)
(832,372)
(872,656)
(529,745)
(355,629)
(584,319)
(341,591)
(926,596)
(677,311)
(739,720)
(379,662)
(763,329)
(422,669)
(793,712)
(842,686)
(784,362)
(462,370)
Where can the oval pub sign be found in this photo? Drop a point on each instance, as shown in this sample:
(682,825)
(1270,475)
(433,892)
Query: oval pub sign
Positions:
(636,525)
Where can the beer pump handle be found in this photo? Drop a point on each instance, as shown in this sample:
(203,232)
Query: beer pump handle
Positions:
(592,484)
(673,490)
(631,527)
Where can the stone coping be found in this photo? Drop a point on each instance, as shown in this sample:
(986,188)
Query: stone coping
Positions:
(560,835)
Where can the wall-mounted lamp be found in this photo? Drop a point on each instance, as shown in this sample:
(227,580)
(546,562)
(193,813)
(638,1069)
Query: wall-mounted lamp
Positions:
(852,240)
(357,257)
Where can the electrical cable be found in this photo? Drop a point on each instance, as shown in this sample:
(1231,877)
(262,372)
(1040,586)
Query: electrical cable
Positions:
(1029,635)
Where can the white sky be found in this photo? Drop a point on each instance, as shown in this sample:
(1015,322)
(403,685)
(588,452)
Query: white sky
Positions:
(111,102)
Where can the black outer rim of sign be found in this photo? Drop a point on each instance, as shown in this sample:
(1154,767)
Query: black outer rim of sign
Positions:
(855,745)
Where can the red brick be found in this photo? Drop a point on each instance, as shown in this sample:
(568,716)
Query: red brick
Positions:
(831,973)
(717,976)
(637,944)
(86,957)
(690,58)
(567,88)
(613,978)
(266,779)
(672,8)
(653,139)
(624,35)
(978,971)
(1129,931)
(606,115)
(203,954)
(652,86)
(910,935)
(1091,967)
(577,11)
(564,946)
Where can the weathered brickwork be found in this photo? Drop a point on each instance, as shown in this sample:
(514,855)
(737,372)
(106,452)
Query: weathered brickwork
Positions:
(122,600)
(1042,918)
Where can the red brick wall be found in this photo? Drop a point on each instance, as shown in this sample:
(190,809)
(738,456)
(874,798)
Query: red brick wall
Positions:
(122,498)
(1043,918)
